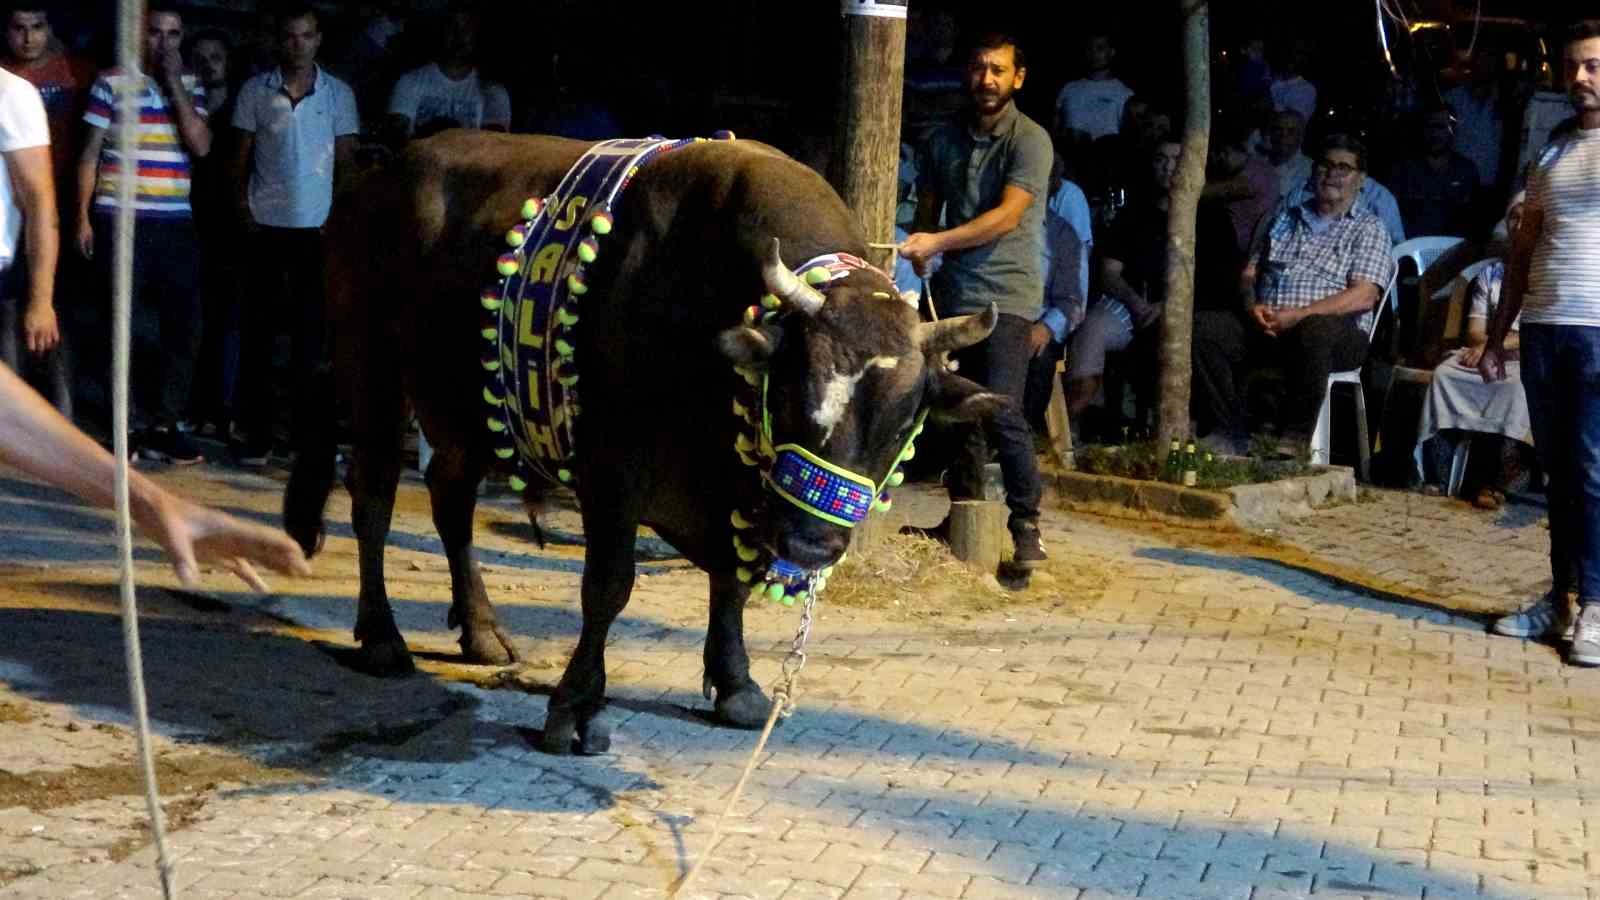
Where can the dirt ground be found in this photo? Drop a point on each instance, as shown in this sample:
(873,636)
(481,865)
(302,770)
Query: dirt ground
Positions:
(254,691)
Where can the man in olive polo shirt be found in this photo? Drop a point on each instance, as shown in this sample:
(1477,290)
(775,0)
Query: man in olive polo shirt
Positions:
(989,173)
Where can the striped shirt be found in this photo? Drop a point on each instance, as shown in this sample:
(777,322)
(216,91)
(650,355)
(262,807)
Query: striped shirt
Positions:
(162,185)
(1564,278)
(1304,258)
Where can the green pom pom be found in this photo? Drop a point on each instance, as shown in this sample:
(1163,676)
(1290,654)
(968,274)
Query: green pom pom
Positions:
(564,475)
(505,452)
(775,592)
(744,575)
(576,285)
(563,349)
(490,334)
(897,478)
(882,505)
(746,554)
(507,264)
(600,223)
(567,381)
(517,484)
(770,301)
(816,275)
(492,364)
(491,398)
(515,238)
(490,302)
(566,318)
(739,521)
(910,452)
(788,600)
(743,444)
(588,249)
(531,207)
(496,426)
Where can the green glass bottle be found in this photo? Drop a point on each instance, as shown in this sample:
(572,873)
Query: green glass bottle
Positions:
(1191,465)
(1173,473)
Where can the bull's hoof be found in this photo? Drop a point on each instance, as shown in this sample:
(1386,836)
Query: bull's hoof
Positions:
(309,535)
(486,646)
(594,738)
(386,659)
(559,730)
(747,708)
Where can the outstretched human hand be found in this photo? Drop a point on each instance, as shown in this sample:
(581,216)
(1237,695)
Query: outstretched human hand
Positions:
(193,534)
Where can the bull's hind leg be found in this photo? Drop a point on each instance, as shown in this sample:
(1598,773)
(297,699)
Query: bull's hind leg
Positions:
(374,475)
(740,702)
(453,477)
(610,527)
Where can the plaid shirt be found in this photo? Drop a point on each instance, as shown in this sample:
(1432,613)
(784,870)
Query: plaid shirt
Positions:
(1298,264)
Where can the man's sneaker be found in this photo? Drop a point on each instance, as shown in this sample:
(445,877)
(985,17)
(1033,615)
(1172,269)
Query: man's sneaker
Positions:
(1586,637)
(166,444)
(252,454)
(1029,547)
(1549,616)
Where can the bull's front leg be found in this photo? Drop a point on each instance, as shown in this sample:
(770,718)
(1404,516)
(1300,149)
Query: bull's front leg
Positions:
(740,701)
(610,527)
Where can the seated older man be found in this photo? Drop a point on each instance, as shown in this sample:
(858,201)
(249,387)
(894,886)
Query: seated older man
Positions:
(1307,298)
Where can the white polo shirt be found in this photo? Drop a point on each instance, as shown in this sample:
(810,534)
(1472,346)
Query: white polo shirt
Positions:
(291,166)
(22,125)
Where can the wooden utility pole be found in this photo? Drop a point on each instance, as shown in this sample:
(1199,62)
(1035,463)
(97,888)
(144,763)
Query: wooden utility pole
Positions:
(869,125)
(1177,320)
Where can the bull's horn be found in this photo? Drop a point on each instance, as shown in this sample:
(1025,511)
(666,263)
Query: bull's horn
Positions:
(947,335)
(784,285)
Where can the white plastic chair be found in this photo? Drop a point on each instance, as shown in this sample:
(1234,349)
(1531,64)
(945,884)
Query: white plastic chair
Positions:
(1422,252)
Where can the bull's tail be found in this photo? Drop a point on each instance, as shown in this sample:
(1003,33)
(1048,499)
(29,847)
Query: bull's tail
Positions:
(315,462)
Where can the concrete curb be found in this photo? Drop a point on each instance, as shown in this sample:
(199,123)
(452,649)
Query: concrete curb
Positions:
(1252,506)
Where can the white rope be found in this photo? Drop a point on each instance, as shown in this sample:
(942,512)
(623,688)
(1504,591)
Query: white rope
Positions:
(130,21)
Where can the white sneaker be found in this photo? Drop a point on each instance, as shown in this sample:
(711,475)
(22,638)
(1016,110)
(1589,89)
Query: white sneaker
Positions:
(1547,616)
(1586,637)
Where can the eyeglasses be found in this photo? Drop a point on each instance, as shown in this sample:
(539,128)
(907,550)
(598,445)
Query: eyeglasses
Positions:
(1343,170)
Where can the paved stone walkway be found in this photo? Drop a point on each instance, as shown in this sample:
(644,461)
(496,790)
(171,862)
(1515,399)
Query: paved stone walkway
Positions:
(1209,725)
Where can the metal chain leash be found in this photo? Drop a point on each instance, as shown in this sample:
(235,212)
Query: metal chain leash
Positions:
(782,706)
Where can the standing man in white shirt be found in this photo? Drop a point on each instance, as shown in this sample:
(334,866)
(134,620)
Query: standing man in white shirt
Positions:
(297,128)
(1290,89)
(1553,280)
(27,205)
(1091,107)
(449,93)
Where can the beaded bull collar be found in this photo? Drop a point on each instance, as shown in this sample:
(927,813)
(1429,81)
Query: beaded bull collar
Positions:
(532,385)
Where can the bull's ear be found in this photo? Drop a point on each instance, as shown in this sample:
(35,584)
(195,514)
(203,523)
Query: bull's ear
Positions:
(957,399)
(746,346)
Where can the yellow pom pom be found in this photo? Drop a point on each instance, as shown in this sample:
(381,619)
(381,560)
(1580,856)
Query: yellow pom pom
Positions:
(739,521)
(816,275)
(566,318)
(531,207)
(743,444)
(910,452)
(897,478)
(770,301)
(576,285)
(491,302)
(588,249)
(564,475)
(563,349)
(517,484)
(496,426)
(505,452)
(491,398)
(738,408)
(490,334)
(507,264)
(515,238)
(747,554)
(744,574)
(600,223)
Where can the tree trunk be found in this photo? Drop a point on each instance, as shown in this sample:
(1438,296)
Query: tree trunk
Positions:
(1177,320)
(869,124)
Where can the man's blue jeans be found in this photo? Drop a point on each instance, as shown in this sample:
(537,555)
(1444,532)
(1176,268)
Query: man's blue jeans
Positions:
(1561,374)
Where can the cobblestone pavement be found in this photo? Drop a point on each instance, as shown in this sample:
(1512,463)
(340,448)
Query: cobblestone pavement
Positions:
(1209,725)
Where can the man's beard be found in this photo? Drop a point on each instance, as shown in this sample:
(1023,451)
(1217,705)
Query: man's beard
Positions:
(988,103)
(1583,99)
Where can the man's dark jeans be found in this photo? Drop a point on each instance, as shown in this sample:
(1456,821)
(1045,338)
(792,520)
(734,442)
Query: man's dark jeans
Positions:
(1561,375)
(286,268)
(1316,347)
(166,266)
(1000,363)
